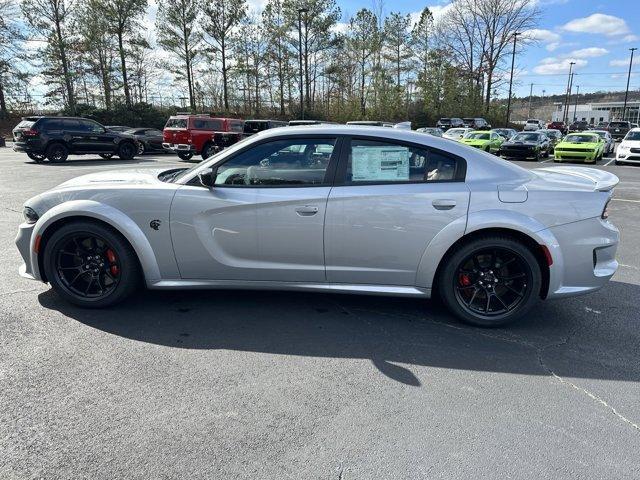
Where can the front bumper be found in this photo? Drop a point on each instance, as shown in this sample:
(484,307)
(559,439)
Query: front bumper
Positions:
(522,153)
(628,156)
(560,155)
(584,257)
(24,244)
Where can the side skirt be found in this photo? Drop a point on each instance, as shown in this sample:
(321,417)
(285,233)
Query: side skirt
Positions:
(390,290)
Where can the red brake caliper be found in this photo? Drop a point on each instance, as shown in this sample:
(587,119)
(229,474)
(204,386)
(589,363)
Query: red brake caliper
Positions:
(464,280)
(112,261)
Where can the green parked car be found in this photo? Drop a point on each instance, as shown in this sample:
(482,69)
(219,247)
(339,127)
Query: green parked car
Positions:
(483,139)
(583,146)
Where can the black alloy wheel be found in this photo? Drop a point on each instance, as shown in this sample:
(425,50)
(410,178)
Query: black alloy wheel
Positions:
(57,153)
(185,155)
(90,264)
(141,148)
(208,150)
(106,156)
(490,281)
(127,150)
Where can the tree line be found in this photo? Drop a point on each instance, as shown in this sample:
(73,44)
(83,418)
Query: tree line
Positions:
(296,57)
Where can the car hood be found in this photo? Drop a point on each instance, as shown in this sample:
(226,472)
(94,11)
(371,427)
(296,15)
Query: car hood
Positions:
(573,178)
(630,143)
(473,141)
(115,177)
(526,144)
(582,144)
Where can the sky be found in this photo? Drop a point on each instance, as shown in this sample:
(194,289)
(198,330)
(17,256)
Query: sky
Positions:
(595,34)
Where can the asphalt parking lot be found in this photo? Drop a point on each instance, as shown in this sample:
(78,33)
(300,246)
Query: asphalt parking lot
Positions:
(236,384)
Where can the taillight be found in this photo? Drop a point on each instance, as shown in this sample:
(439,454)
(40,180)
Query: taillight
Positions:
(605,212)
(30,133)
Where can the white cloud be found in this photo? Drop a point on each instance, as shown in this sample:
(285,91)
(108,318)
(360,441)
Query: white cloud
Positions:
(598,23)
(553,46)
(340,27)
(438,11)
(554,65)
(622,62)
(541,35)
(587,52)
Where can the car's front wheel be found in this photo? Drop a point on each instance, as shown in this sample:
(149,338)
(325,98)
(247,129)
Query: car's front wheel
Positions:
(490,281)
(57,153)
(127,150)
(106,156)
(90,265)
(185,155)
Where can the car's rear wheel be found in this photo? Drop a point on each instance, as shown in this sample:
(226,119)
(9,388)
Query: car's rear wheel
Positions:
(106,156)
(127,150)
(57,153)
(90,265)
(185,155)
(208,150)
(490,281)
(37,157)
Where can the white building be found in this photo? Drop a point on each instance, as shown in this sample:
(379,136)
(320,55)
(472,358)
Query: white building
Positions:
(598,112)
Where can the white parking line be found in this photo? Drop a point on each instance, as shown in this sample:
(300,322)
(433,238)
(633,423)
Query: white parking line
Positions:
(625,200)
(545,161)
(612,160)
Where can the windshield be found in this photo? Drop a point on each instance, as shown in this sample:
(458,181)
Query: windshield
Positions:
(533,121)
(176,123)
(635,135)
(445,120)
(526,137)
(478,136)
(581,138)
(456,131)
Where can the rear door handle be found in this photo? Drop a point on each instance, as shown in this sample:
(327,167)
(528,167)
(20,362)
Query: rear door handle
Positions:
(307,210)
(443,204)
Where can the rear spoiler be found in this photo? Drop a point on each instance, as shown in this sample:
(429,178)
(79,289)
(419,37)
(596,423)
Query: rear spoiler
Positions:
(603,181)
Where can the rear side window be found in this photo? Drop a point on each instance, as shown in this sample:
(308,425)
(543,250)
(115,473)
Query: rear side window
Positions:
(372,161)
(26,124)
(206,124)
(176,123)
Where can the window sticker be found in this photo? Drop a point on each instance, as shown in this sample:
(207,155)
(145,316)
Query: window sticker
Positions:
(379,163)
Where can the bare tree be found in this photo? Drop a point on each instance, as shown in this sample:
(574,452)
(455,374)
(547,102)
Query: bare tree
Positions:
(177,27)
(222,17)
(363,37)
(50,18)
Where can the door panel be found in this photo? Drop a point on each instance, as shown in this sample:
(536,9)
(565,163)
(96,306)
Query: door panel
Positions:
(249,233)
(376,234)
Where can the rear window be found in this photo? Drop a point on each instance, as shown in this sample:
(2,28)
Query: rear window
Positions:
(236,126)
(445,120)
(619,124)
(176,123)
(26,124)
(254,127)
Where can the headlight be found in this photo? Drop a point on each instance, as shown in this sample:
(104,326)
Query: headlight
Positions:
(30,215)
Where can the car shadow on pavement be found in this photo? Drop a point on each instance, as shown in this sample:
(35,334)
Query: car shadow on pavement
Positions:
(94,161)
(585,337)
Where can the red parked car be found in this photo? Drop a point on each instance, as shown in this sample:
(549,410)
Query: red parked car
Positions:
(557,126)
(190,135)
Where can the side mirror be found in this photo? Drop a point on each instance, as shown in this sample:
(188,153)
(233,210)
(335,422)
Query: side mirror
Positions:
(207,177)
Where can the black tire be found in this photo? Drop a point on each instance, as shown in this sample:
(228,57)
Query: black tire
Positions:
(185,155)
(57,153)
(126,275)
(508,290)
(37,157)
(208,150)
(127,150)
(106,156)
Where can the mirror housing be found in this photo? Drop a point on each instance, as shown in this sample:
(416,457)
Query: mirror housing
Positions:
(207,177)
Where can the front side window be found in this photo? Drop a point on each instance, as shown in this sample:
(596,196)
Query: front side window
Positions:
(374,161)
(176,123)
(291,162)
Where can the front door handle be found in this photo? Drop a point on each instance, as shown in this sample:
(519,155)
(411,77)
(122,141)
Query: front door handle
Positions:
(443,204)
(307,210)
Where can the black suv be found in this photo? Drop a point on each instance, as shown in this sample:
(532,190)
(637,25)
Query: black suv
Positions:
(578,126)
(476,123)
(618,129)
(447,123)
(55,138)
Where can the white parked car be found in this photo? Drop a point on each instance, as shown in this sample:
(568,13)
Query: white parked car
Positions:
(532,125)
(333,209)
(629,148)
(609,142)
(456,133)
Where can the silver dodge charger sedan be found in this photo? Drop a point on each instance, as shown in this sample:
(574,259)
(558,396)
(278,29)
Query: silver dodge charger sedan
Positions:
(336,209)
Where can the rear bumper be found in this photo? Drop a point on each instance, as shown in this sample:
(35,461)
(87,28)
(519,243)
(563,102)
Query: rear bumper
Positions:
(179,147)
(584,257)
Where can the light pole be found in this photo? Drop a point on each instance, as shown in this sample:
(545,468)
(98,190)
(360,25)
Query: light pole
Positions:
(626,93)
(575,105)
(513,60)
(530,95)
(300,12)
(565,113)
